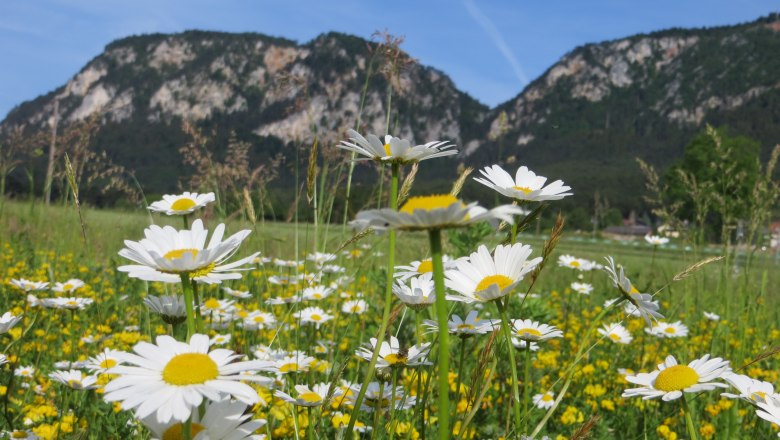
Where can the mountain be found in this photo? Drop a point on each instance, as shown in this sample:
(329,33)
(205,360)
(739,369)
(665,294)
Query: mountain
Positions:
(584,120)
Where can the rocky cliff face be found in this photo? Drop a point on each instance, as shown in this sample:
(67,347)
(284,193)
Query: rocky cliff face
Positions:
(584,120)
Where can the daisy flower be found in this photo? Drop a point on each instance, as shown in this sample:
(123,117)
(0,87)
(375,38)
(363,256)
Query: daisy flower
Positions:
(533,331)
(523,345)
(711,316)
(166,254)
(26,372)
(526,185)
(24,435)
(67,303)
(170,307)
(770,411)
(320,258)
(433,212)
(314,396)
(222,420)
(750,390)
(471,326)
(392,355)
(316,293)
(182,204)
(544,401)
(313,315)
(29,286)
(8,321)
(74,379)
(616,333)
(483,277)
(3,359)
(258,320)
(103,362)
(171,378)
(671,380)
(395,150)
(643,302)
(656,240)
(668,330)
(240,294)
(417,292)
(572,262)
(220,339)
(582,288)
(354,307)
(417,268)
(68,286)
(296,362)
(214,305)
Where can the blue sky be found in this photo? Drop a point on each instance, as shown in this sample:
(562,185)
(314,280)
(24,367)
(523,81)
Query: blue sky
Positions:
(490,48)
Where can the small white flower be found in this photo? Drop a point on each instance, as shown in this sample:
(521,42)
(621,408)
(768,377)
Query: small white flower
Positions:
(308,397)
(642,302)
(313,315)
(544,401)
(526,185)
(354,307)
(582,288)
(656,240)
(392,355)
(616,333)
(668,330)
(67,303)
(240,294)
(750,390)
(68,286)
(74,379)
(711,316)
(671,380)
(533,331)
(29,286)
(316,293)
(417,292)
(395,150)
(484,277)
(579,264)
(258,320)
(220,339)
(182,204)
(471,326)
(8,321)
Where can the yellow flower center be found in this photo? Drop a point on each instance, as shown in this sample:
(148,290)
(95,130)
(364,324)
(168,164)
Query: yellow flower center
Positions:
(211,303)
(289,368)
(190,369)
(388,151)
(259,319)
(676,378)
(176,432)
(355,308)
(73,383)
(524,189)
(758,395)
(310,397)
(574,263)
(501,281)
(317,296)
(19,434)
(529,332)
(395,359)
(465,327)
(547,398)
(183,204)
(614,336)
(108,363)
(633,290)
(179,253)
(425,266)
(429,203)
(67,286)
(670,330)
(316,317)
(72,303)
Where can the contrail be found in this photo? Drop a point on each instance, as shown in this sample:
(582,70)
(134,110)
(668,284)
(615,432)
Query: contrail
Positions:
(498,40)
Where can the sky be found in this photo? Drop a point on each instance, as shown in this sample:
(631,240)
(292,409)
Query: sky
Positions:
(490,48)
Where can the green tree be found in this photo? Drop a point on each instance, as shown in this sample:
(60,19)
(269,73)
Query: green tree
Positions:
(713,180)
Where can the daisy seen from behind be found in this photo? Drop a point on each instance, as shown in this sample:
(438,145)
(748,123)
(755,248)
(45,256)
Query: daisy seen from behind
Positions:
(395,150)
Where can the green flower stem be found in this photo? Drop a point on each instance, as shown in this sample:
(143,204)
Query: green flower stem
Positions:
(444,346)
(527,384)
(510,348)
(692,432)
(186,429)
(196,300)
(388,304)
(188,304)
